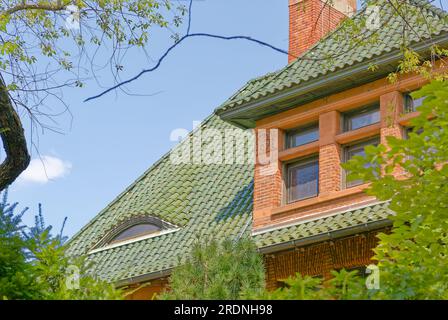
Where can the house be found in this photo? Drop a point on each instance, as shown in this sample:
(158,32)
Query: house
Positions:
(293,199)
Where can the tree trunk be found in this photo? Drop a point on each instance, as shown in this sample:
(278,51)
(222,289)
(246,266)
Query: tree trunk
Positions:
(14,142)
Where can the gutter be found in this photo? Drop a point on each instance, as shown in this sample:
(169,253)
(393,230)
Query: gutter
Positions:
(327,79)
(326,236)
(144,278)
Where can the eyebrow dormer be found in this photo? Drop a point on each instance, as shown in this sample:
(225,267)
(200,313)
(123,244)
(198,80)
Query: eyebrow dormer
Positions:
(133,230)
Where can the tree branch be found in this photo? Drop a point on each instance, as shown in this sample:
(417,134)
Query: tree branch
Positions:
(56,6)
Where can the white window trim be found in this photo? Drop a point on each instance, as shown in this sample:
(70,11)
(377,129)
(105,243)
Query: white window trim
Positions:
(136,239)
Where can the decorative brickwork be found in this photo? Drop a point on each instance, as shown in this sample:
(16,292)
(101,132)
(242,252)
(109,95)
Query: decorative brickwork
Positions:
(320,258)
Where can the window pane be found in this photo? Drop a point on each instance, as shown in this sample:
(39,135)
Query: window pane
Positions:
(303,180)
(409,130)
(136,231)
(411,104)
(361,119)
(302,136)
(358,150)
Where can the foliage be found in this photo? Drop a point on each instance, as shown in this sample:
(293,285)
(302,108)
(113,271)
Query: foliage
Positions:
(343,285)
(34,264)
(225,270)
(48,45)
(15,281)
(47,31)
(413,258)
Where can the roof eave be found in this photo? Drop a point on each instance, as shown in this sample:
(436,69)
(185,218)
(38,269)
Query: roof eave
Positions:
(367,227)
(143,278)
(246,115)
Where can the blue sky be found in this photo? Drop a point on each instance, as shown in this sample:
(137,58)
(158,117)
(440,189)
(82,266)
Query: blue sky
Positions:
(114,139)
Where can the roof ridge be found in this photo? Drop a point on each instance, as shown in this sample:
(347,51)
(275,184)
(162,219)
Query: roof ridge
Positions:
(267,75)
(255,92)
(429,6)
(289,65)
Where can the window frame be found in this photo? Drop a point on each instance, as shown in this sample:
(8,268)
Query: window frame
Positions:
(289,134)
(347,116)
(122,226)
(114,239)
(299,163)
(376,140)
(409,100)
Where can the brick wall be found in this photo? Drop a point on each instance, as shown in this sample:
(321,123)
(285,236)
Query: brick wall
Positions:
(310,20)
(329,153)
(391,108)
(268,186)
(320,258)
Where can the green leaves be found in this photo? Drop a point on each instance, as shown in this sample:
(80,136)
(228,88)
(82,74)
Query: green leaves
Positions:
(46,39)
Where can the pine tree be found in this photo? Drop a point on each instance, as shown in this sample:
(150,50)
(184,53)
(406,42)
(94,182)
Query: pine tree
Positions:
(225,270)
(34,263)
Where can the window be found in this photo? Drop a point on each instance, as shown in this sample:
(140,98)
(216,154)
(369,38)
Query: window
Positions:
(135,231)
(301,136)
(357,150)
(134,228)
(361,118)
(302,180)
(406,131)
(409,130)
(410,104)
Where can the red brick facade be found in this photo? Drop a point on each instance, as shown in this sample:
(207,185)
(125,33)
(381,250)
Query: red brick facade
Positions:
(321,258)
(310,20)
(329,153)
(270,208)
(269,173)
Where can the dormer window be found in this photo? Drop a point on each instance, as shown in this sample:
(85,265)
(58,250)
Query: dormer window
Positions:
(361,117)
(411,104)
(134,229)
(357,149)
(302,180)
(303,135)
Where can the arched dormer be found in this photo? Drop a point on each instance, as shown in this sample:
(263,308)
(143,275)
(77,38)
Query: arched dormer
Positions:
(134,229)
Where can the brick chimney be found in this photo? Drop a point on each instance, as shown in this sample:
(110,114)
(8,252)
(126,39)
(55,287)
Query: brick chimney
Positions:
(311,20)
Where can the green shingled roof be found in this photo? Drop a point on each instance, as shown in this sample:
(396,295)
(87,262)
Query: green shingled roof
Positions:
(204,201)
(315,63)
